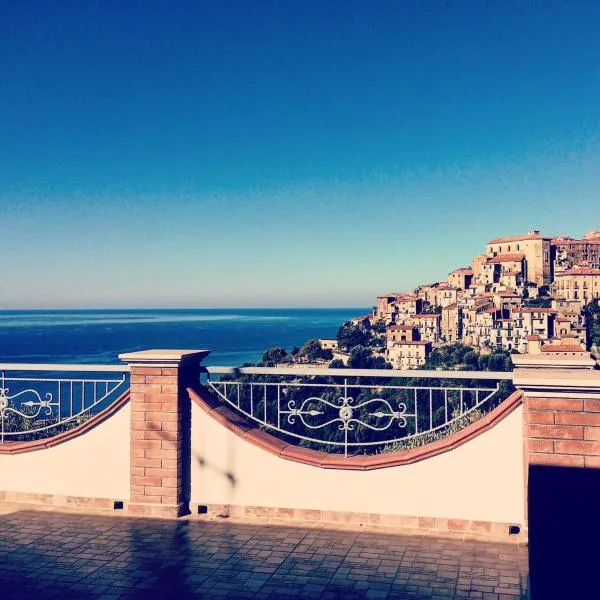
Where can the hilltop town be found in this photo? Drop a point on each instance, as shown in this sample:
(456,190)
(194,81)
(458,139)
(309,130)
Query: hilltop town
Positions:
(525,294)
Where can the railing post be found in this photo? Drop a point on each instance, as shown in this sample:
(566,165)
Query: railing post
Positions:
(160,429)
(561,402)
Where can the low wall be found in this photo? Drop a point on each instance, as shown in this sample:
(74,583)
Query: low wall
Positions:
(94,465)
(480,481)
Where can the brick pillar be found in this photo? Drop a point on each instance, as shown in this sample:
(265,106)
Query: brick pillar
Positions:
(562,465)
(160,429)
(561,409)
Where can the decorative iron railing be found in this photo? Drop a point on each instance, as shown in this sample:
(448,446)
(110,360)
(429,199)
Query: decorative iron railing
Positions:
(358,410)
(37,402)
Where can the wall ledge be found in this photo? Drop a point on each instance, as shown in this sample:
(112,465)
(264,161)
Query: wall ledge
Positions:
(251,433)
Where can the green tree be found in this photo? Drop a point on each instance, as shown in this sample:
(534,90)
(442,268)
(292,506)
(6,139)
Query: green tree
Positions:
(312,351)
(274,356)
(591,313)
(350,336)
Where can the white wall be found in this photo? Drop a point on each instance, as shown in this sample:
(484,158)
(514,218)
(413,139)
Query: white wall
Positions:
(95,464)
(481,480)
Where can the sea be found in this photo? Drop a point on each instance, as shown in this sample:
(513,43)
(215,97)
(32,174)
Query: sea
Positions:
(234,336)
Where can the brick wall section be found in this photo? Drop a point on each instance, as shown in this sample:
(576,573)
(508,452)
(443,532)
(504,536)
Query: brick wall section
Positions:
(562,432)
(156,441)
(160,431)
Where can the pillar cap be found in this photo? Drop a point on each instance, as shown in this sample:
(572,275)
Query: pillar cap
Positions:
(582,360)
(559,382)
(163,358)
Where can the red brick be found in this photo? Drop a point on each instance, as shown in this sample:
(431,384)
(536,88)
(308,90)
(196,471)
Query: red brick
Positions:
(135,379)
(138,498)
(169,371)
(578,418)
(136,489)
(554,404)
(145,480)
(557,460)
(169,389)
(592,433)
(171,427)
(573,447)
(546,418)
(136,471)
(168,454)
(162,379)
(160,398)
(154,490)
(458,524)
(592,406)
(161,417)
(537,445)
(592,462)
(144,370)
(136,453)
(170,482)
(146,444)
(146,463)
(569,432)
(172,463)
(137,435)
(157,434)
(159,472)
(169,444)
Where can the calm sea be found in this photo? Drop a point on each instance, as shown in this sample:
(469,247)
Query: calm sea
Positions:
(234,336)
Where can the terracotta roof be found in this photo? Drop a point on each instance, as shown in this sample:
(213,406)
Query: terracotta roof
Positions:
(533,338)
(400,327)
(518,238)
(534,310)
(465,270)
(563,348)
(426,316)
(508,257)
(512,273)
(507,295)
(453,305)
(579,271)
(570,242)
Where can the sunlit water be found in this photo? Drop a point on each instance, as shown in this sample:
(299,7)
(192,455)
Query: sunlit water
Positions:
(234,336)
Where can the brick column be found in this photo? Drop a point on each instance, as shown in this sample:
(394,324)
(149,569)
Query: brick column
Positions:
(160,429)
(561,409)
(561,433)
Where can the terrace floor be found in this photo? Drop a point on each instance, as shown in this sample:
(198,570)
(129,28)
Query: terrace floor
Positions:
(70,555)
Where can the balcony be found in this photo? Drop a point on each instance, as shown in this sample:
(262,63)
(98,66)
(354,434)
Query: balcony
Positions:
(255,471)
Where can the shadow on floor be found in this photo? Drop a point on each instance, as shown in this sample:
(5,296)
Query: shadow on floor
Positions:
(564,533)
(69,556)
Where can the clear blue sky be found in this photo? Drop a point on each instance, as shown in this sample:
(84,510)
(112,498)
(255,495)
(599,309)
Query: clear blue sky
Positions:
(230,153)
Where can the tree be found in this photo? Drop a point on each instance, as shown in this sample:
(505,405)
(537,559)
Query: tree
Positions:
(591,313)
(380,326)
(274,356)
(336,363)
(349,336)
(312,351)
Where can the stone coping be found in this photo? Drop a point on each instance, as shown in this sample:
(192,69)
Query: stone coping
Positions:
(65,436)
(250,432)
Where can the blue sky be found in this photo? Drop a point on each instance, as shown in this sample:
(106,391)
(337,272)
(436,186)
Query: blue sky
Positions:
(231,153)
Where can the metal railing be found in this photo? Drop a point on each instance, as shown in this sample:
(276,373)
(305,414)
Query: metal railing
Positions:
(36,402)
(358,410)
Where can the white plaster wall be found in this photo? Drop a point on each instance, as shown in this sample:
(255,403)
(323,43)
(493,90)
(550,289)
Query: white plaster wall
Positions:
(481,480)
(95,464)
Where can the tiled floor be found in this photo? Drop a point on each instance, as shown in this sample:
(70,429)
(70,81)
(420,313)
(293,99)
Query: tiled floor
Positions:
(67,556)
